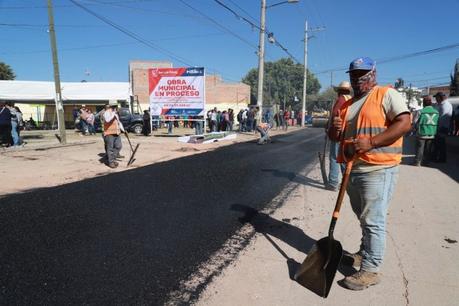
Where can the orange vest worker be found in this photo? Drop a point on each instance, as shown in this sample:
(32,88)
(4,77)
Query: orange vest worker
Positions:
(372,121)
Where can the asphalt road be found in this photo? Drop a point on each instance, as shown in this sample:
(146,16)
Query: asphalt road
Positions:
(130,237)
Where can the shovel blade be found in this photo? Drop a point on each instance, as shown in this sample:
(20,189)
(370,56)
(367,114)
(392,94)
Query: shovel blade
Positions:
(318,270)
(131,160)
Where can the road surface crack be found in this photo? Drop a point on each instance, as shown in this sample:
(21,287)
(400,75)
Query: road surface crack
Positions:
(400,265)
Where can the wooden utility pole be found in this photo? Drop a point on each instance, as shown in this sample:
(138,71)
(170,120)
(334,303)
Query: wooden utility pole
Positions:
(57,81)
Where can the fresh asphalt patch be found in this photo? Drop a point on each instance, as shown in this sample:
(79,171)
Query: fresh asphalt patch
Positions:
(131,237)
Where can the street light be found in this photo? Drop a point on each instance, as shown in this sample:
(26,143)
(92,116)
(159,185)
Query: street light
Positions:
(261,50)
(289,1)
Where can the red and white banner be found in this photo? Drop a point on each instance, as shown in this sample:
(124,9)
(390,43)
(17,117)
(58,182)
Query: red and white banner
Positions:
(177,91)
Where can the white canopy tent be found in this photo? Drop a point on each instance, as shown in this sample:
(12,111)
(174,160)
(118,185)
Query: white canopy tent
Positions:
(36,91)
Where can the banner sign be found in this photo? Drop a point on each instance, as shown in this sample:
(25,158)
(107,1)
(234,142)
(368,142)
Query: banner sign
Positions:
(176,91)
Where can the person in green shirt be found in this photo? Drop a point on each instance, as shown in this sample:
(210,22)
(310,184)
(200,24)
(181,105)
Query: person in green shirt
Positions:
(426,129)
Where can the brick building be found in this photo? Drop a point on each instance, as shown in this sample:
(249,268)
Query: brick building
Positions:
(219,94)
(440,88)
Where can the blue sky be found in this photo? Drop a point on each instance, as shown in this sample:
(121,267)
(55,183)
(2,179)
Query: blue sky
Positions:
(92,50)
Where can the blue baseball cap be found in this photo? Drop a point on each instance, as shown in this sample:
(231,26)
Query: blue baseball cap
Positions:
(362,63)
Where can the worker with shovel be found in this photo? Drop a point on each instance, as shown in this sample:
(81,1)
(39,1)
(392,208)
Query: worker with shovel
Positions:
(112,133)
(375,119)
(343,90)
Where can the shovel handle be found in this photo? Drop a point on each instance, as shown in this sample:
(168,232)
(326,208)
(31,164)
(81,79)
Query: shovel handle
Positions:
(129,141)
(339,201)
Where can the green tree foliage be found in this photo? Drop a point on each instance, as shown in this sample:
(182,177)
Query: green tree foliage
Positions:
(6,73)
(283,81)
(322,101)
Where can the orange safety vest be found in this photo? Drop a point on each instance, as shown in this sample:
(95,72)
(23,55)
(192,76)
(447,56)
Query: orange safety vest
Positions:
(371,122)
(112,127)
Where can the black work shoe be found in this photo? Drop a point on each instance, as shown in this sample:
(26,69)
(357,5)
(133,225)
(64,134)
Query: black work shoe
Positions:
(360,280)
(352,260)
(113,165)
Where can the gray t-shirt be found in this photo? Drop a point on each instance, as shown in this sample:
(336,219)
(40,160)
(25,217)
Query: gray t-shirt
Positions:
(393,105)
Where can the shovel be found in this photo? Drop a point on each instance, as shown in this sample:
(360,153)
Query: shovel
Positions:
(323,171)
(133,151)
(319,268)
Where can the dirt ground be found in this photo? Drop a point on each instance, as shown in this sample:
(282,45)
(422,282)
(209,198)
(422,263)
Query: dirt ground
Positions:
(43,163)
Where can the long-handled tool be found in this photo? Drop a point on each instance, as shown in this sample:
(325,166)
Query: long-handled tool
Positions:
(133,151)
(319,268)
(323,171)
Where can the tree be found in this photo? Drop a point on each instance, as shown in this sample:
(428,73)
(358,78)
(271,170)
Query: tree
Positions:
(283,81)
(321,101)
(6,73)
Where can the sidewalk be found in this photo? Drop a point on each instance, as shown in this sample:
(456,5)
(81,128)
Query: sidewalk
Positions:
(420,268)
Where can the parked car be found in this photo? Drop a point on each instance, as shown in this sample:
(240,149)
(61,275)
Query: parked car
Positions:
(321,121)
(131,122)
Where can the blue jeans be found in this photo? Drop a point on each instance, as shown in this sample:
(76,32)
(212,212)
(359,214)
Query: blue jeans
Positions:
(84,126)
(264,137)
(113,146)
(333,175)
(14,133)
(198,127)
(370,194)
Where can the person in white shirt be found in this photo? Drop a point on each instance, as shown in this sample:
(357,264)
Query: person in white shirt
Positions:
(445,110)
(112,133)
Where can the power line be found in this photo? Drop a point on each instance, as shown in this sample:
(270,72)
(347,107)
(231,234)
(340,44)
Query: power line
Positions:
(63,5)
(253,25)
(427,80)
(400,57)
(27,25)
(426,52)
(237,15)
(220,25)
(132,34)
(109,45)
(139,38)
(120,4)
(417,74)
(243,10)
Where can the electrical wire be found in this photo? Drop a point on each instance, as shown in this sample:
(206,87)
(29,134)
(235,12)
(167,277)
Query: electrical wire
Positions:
(122,5)
(253,25)
(63,5)
(243,10)
(108,45)
(399,57)
(140,39)
(27,25)
(220,25)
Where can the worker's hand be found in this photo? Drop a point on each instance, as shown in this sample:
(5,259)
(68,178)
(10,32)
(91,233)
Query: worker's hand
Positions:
(362,145)
(337,123)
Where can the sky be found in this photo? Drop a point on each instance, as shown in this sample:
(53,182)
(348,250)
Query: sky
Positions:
(204,33)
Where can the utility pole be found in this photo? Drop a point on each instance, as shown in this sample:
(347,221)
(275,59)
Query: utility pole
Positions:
(305,76)
(57,82)
(261,48)
(261,57)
